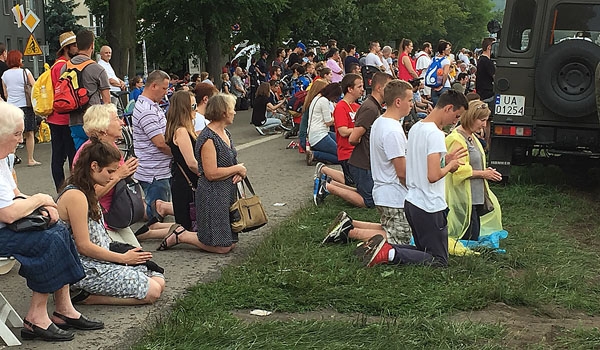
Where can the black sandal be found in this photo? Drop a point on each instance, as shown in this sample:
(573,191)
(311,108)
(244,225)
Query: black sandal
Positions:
(172,231)
(82,323)
(52,333)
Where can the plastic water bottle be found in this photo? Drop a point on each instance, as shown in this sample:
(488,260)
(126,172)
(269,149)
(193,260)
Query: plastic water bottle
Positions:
(43,92)
(126,80)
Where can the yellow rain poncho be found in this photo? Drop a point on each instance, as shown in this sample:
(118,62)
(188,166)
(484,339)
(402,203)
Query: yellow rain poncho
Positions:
(458,197)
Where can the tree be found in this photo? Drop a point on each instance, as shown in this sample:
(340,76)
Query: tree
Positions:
(59,19)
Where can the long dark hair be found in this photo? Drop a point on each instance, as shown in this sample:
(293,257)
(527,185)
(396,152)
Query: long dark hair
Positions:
(96,151)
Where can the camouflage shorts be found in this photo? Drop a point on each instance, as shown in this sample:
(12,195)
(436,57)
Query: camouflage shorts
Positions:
(395,225)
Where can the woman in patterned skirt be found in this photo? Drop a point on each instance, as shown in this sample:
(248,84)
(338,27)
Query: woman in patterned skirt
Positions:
(48,258)
(111,278)
(219,173)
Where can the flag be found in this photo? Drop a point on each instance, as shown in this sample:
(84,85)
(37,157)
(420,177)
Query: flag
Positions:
(19,13)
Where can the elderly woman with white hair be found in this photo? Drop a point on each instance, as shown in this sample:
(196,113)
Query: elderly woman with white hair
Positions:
(103,123)
(49,260)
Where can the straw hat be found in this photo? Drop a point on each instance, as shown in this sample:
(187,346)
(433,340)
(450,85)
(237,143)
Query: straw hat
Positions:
(66,39)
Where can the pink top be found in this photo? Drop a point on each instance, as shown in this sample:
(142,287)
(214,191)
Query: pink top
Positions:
(106,200)
(403,73)
(335,69)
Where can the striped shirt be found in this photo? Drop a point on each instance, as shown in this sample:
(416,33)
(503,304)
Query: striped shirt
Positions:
(148,121)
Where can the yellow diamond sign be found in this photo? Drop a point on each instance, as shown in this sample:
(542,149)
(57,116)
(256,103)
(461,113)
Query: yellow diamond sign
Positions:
(31,21)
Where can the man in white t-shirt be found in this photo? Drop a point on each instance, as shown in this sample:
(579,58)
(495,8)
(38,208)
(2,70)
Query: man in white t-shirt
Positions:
(425,206)
(373,58)
(423,58)
(116,84)
(386,60)
(388,166)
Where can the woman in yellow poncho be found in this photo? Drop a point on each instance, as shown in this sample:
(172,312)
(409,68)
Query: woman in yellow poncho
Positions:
(467,191)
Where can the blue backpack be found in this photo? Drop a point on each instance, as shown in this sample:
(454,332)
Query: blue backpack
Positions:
(434,77)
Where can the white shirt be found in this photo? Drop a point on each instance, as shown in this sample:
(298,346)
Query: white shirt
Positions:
(424,139)
(319,113)
(386,66)
(387,141)
(208,81)
(423,62)
(7,186)
(200,122)
(14,79)
(110,72)
(373,60)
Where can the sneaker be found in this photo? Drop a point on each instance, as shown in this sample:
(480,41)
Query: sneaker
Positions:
(341,216)
(316,187)
(322,191)
(292,145)
(17,159)
(373,252)
(318,169)
(310,158)
(285,128)
(260,130)
(339,233)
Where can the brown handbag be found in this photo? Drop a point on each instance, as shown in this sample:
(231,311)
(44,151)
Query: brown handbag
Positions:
(27,87)
(247,213)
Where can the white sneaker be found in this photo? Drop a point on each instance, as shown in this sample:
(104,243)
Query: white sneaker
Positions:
(260,131)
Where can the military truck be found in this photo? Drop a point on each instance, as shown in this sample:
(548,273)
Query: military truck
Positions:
(547,85)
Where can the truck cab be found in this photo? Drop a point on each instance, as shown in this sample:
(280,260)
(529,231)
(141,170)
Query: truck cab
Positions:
(546,85)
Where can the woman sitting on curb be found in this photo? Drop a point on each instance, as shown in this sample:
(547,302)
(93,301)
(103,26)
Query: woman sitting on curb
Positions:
(48,258)
(111,278)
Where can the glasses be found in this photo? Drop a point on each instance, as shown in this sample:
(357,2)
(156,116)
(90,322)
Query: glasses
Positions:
(194,105)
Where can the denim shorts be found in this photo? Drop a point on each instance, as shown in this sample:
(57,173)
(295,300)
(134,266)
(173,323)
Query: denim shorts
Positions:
(364,184)
(157,189)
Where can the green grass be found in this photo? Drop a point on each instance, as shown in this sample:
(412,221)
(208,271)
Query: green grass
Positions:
(551,262)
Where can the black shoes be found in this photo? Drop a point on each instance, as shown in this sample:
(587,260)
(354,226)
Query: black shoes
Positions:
(52,333)
(82,323)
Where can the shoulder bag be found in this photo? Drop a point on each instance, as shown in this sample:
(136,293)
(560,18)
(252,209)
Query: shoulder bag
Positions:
(127,206)
(36,221)
(192,204)
(27,88)
(247,213)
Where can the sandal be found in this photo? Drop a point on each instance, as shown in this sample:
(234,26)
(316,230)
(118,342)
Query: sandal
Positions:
(155,213)
(172,231)
(52,333)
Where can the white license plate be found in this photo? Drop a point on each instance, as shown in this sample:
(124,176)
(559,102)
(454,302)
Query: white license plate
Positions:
(510,105)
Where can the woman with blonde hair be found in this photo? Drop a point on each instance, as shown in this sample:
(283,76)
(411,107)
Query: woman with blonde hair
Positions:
(315,89)
(181,138)
(219,172)
(474,209)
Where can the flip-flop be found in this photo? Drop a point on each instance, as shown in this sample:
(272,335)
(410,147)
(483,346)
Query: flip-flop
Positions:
(34,164)
(172,231)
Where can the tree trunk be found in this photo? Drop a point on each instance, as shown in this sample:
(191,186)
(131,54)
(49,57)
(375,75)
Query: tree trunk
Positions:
(121,35)
(213,50)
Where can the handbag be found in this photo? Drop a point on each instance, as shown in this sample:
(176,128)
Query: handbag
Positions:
(127,206)
(27,88)
(487,206)
(247,214)
(122,248)
(36,221)
(192,204)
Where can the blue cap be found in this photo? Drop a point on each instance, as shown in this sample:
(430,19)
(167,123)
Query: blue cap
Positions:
(301,45)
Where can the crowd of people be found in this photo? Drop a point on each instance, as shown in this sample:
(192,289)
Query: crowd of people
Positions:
(399,148)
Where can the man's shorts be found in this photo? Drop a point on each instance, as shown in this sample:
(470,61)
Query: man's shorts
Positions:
(349,181)
(157,189)
(364,184)
(395,225)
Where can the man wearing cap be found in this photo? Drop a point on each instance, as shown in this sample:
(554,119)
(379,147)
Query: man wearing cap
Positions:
(295,55)
(261,66)
(63,147)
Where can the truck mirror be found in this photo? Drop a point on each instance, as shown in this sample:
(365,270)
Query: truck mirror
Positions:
(494,26)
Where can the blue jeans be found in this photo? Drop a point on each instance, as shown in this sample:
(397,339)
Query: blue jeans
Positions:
(326,149)
(79,136)
(435,95)
(157,189)
(270,123)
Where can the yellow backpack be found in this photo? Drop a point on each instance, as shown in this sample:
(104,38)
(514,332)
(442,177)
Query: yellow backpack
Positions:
(42,93)
(43,132)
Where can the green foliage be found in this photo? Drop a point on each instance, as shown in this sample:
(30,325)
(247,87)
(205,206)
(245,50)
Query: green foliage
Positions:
(551,262)
(59,18)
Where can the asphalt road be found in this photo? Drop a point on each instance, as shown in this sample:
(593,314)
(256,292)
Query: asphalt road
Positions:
(278,175)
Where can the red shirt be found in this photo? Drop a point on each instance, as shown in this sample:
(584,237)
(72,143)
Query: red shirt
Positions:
(57,118)
(403,73)
(343,115)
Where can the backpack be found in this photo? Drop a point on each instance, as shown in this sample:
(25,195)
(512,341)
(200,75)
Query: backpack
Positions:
(42,93)
(295,103)
(434,77)
(69,94)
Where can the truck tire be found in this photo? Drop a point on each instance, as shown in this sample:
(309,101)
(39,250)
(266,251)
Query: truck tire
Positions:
(564,77)
(598,90)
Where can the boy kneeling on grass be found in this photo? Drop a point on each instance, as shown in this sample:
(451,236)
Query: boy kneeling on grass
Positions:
(425,206)
(388,167)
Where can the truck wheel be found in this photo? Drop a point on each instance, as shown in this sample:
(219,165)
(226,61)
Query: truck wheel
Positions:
(564,77)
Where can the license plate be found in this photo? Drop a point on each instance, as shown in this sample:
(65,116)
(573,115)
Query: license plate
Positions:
(510,105)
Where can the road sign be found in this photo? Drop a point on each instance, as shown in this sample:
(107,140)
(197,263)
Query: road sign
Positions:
(32,48)
(31,21)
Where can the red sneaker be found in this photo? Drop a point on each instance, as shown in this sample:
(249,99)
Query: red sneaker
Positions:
(373,252)
(301,149)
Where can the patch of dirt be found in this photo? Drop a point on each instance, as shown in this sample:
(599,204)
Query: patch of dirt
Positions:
(528,326)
